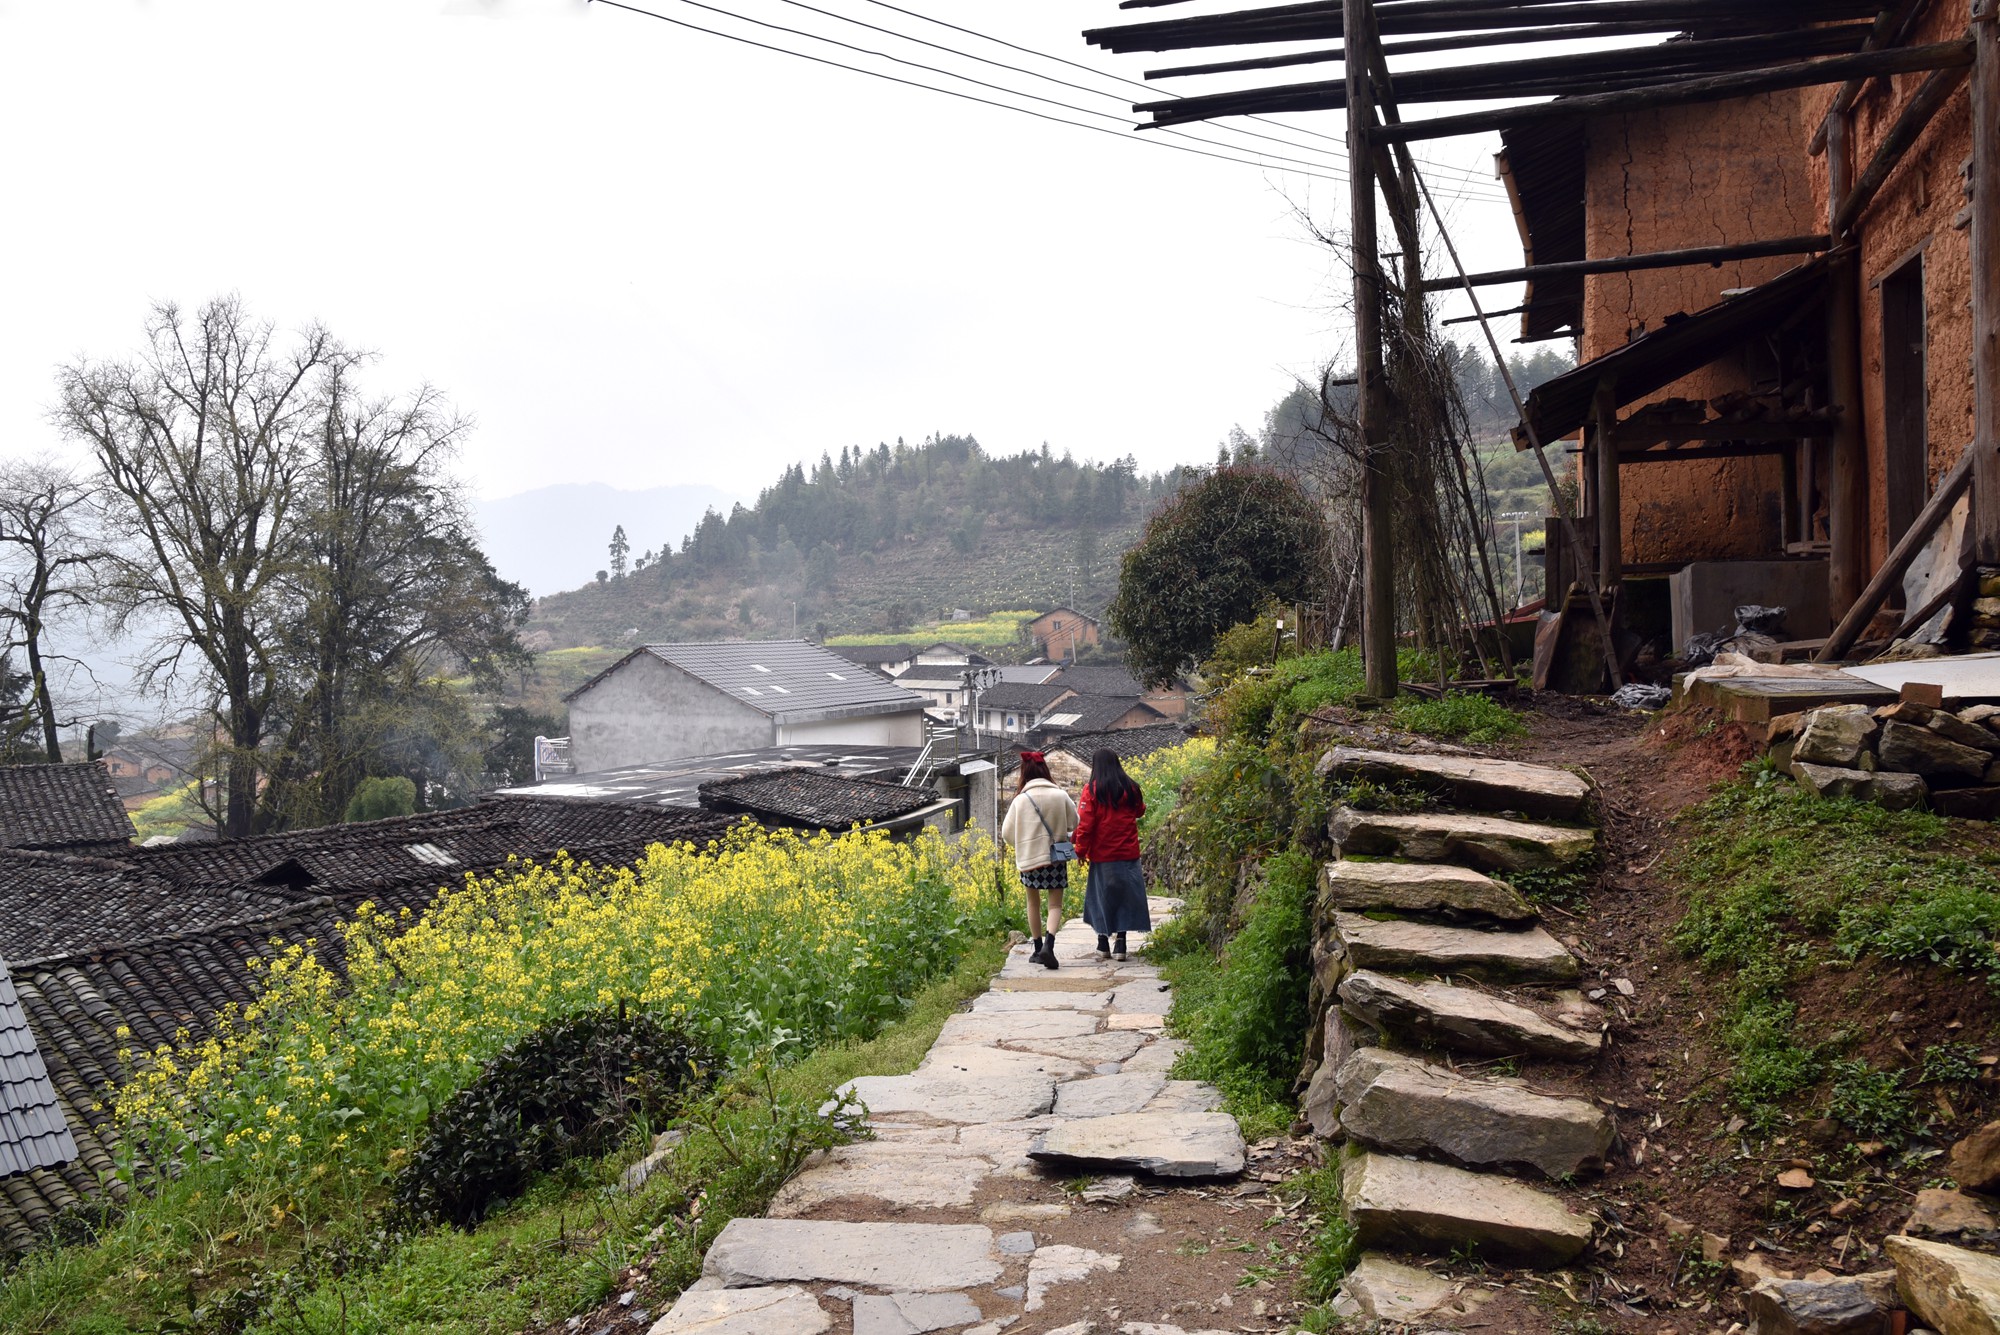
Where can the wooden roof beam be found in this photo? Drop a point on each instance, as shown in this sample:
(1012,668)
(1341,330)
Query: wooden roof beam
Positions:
(1683,92)
(1659,259)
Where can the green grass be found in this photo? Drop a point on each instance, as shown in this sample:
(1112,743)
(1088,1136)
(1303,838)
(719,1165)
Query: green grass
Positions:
(994,630)
(558,1251)
(1243,1010)
(1782,884)
(1457,716)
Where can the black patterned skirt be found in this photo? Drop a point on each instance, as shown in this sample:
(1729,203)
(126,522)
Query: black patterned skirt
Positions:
(1055,876)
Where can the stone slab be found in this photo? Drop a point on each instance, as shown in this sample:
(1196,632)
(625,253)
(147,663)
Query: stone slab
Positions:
(1164,1144)
(971,1027)
(915,1176)
(1952,1289)
(1487,843)
(1089,1049)
(780,1310)
(1422,888)
(1062,1264)
(1895,792)
(1115,1023)
(1059,981)
(1106,1095)
(1379,1289)
(1404,1204)
(1525,954)
(1477,782)
(1398,1103)
(1005,1143)
(912,1313)
(1186,1096)
(1142,996)
(914,1258)
(969,1060)
(1158,1055)
(1851,1305)
(990,1003)
(1464,1019)
(951,1098)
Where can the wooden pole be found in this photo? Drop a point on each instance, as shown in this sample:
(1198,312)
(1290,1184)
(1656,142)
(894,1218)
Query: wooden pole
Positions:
(1986,281)
(1847,491)
(1658,259)
(1917,113)
(1378,582)
(1610,515)
(1949,488)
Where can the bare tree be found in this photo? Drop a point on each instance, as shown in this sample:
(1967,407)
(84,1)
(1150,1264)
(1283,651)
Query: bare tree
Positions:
(50,557)
(203,443)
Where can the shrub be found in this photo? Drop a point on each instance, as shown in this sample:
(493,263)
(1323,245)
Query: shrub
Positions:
(378,798)
(1459,715)
(569,1089)
(1162,775)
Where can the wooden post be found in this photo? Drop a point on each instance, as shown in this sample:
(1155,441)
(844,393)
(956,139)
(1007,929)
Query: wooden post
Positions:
(1986,280)
(1378,582)
(1847,499)
(1610,516)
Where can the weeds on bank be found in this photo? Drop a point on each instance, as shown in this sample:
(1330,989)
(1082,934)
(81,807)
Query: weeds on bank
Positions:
(1457,716)
(1782,882)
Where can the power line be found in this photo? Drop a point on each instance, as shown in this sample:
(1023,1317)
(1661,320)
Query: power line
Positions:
(981,83)
(1135,83)
(948,92)
(1037,74)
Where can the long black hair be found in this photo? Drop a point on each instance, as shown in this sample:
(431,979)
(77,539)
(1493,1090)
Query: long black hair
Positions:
(1110,784)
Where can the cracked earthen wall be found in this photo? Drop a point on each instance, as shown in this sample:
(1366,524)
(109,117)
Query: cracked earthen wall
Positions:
(1668,180)
(1916,212)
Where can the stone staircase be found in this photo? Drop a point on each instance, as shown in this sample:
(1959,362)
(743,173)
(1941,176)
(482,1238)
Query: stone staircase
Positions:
(1425,957)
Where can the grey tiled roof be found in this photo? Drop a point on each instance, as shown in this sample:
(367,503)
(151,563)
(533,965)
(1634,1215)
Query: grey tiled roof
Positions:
(34,1133)
(1101,679)
(1032,674)
(1127,743)
(782,678)
(1023,696)
(56,903)
(60,806)
(1096,713)
(814,798)
(872,654)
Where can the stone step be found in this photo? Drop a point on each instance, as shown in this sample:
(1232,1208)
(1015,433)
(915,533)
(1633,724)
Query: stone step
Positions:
(1464,1019)
(943,1096)
(1525,955)
(1409,1205)
(1407,1106)
(1468,781)
(768,1310)
(1381,1289)
(914,1176)
(898,1258)
(1489,843)
(1201,1144)
(1423,888)
(1954,1290)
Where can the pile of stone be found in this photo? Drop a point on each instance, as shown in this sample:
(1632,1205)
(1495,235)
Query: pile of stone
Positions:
(1983,634)
(1901,756)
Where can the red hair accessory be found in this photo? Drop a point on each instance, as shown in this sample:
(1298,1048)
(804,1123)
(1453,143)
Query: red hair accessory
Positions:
(1033,755)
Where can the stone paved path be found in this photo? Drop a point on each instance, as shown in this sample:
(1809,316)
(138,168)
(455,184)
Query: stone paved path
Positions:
(1051,1074)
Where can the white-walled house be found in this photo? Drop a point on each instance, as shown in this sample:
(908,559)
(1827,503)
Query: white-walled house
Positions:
(665,701)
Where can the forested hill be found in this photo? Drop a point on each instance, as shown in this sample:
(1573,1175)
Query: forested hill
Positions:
(870,541)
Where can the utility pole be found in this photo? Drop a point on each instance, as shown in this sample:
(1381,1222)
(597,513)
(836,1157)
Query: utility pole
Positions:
(1378,583)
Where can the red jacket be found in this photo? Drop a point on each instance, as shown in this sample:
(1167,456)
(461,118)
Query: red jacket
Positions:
(1107,834)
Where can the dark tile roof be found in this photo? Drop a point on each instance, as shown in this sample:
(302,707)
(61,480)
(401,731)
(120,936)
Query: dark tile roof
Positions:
(56,904)
(1101,679)
(34,1133)
(814,798)
(1023,696)
(60,806)
(1128,743)
(76,1003)
(787,679)
(1097,713)
(871,655)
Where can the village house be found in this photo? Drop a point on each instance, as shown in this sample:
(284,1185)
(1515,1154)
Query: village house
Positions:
(891,660)
(1062,632)
(1766,427)
(72,808)
(664,701)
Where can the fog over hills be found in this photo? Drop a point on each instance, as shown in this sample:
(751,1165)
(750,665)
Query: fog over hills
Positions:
(555,538)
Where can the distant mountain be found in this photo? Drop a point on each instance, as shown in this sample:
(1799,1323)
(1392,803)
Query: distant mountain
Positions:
(555,538)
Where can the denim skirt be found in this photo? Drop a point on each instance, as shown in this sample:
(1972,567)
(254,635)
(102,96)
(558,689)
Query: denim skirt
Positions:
(1114,898)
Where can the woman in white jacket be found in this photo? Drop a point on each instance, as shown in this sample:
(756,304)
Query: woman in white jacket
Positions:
(1040,818)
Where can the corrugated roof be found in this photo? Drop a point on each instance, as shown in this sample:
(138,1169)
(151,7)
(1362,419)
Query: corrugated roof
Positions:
(813,797)
(34,1133)
(782,678)
(60,806)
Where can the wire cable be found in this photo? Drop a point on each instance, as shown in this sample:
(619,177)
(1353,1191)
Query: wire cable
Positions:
(1338,170)
(1135,83)
(948,92)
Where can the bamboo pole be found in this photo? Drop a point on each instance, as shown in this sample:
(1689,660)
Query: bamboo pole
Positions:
(1658,259)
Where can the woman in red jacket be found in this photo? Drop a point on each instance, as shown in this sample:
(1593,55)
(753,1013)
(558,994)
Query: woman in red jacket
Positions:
(1107,837)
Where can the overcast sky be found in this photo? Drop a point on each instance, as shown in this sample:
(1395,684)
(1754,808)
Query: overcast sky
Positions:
(642,255)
